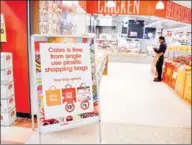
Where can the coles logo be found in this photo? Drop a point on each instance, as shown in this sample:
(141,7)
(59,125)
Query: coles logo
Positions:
(8,57)
(8,72)
(10,86)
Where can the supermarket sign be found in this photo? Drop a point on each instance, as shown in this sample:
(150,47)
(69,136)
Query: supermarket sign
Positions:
(83,5)
(3,30)
(122,7)
(172,10)
(64,81)
(178,12)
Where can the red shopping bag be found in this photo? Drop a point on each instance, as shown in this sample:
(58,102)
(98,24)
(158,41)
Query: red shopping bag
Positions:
(69,94)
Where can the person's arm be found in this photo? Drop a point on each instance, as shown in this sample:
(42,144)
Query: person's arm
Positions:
(161,49)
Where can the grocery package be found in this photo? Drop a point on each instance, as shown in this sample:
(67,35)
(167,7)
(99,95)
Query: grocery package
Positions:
(9,118)
(180,83)
(6,76)
(178,50)
(6,61)
(7,90)
(177,74)
(8,111)
(168,73)
(187,91)
(7,105)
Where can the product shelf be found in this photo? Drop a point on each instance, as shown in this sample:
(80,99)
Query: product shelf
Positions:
(177,74)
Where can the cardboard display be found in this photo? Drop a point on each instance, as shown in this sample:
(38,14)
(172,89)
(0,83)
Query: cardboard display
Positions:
(7,90)
(6,61)
(8,118)
(6,76)
(7,105)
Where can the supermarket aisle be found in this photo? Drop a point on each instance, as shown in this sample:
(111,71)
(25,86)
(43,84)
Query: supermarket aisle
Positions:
(129,95)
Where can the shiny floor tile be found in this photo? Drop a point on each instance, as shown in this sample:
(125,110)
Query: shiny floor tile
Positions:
(128,95)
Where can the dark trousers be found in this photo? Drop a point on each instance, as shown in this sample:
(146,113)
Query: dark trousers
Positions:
(159,66)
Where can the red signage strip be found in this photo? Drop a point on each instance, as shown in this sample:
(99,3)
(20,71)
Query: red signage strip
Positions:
(172,10)
(83,5)
(178,13)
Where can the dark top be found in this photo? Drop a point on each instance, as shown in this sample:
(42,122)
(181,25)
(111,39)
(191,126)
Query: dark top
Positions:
(162,48)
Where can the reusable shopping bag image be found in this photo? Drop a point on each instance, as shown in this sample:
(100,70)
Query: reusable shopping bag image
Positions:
(53,96)
(69,94)
(83,92)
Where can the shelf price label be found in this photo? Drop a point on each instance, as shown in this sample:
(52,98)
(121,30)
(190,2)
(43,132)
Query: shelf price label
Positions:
(3,30)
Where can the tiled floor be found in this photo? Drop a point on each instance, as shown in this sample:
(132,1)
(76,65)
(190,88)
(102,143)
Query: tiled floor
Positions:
(129,95)
(135,110)
(15,134)
(111,134)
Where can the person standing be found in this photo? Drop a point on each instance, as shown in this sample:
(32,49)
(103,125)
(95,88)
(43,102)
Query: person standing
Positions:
(160,52)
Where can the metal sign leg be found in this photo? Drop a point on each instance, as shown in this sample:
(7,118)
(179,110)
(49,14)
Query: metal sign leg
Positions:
(40,137)
(99,133)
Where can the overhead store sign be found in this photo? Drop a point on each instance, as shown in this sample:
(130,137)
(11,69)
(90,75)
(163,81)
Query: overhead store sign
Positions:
(83,5)
(178,12)
(3,30)
(122,7)
(172,10)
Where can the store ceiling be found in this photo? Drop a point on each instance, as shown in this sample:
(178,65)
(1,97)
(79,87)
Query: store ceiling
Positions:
(185,3)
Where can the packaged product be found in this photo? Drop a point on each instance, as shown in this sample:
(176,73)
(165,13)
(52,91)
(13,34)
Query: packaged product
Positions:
(8,119)
(6,60)
(7,90)
(7,104)
(6,76)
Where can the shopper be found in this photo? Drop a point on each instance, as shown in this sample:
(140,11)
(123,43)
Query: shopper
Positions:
(160,53)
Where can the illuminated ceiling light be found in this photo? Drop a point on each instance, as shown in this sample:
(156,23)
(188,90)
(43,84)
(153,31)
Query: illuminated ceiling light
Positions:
(160,5)
(110,4)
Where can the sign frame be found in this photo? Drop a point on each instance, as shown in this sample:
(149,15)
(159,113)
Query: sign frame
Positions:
(34,94)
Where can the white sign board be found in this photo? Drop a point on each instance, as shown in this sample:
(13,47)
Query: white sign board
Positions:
(64,81)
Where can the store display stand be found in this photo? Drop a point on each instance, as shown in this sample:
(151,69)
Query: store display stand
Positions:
(87,121)
(40,135)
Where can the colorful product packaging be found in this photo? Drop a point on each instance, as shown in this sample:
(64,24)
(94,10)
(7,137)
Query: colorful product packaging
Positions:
(6,60)
(6,76)
(7,105)
(7,90)
(187,92)
(8,118)
(180,83)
